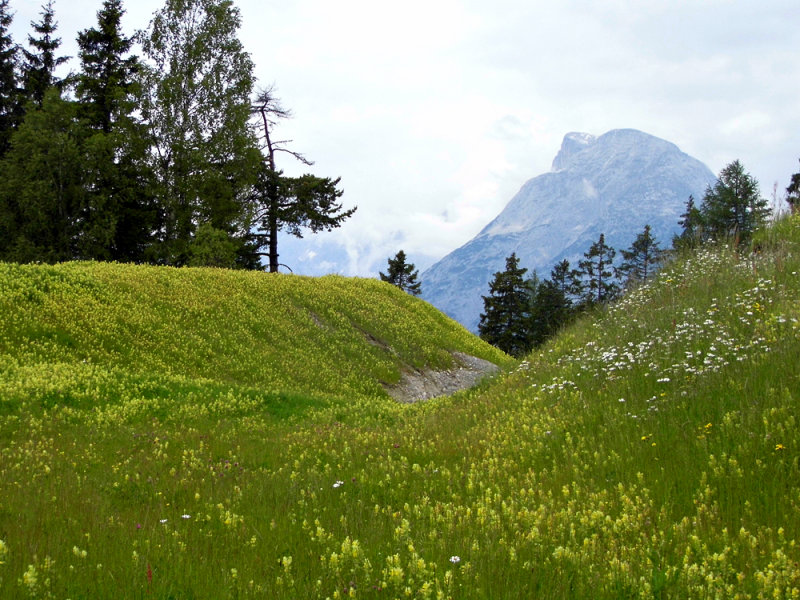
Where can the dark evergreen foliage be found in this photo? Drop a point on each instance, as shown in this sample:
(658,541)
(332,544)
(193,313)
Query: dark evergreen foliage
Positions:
(793,192)
(692,230)
(10,106)
(597,273)
(733,208)
(40,63)
(505,322)
(119,212)
(402,274)
(641,260)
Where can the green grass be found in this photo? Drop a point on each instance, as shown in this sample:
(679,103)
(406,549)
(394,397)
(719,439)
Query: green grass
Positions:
(212,434)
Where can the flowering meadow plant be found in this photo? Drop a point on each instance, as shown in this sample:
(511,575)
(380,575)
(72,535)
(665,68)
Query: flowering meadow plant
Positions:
(216,434)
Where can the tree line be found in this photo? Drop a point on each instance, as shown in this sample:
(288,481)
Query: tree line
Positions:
(168,158)
(522,313)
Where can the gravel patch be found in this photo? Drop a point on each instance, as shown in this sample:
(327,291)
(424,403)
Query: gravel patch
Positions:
(421,384)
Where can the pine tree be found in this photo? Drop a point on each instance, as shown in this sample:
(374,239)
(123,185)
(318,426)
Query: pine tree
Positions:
(793,192)
(692,230)
(597,272)
(566,280)
(119,214)
(40,64)
(641,260)
(10,109)
(505,322)
(734,207)
(402,274)
(289,204)
(551,309)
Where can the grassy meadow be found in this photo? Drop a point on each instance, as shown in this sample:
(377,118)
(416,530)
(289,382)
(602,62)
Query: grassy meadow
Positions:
(200,433)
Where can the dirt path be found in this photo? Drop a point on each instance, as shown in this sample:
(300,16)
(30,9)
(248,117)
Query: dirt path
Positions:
(423,384)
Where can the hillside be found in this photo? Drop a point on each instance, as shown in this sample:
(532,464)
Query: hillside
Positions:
(649,451)
(279,334)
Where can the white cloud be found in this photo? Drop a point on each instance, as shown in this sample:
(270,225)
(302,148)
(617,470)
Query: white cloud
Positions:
(435,113)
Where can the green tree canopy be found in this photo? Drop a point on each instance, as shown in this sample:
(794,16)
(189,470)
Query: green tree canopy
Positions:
(596,272)
(734,206)
(40,63)
(505,322)
(10,109)
(402,274)
(196,103)
(641,260)
(41,191)
(793,192)
(119,209)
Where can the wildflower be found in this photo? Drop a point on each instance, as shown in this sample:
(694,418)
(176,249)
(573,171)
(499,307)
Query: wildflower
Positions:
(779,447)
(186,516)
(162,521)
(455,559)
(338,483)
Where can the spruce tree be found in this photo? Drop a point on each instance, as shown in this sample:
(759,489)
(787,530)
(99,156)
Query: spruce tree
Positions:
(692,230)
(505,322)
(597,273)
(10,110)
(40,63)
(734,207)
(402,274)
(793,192)
(566,280)
(119,215)
(641,260)
(551,309)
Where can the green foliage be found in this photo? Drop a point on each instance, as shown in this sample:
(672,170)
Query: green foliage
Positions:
(212,248)
(505,320)
(642,259)
(648,451)
(195,102)
(40,63)
(793,192)
(9,93)
(41,191)
(119,211)
(402,274)
(733,208)
(692,230)
(596,273)
(289,204)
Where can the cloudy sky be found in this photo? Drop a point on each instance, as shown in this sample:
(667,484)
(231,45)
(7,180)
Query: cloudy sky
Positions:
(435,112)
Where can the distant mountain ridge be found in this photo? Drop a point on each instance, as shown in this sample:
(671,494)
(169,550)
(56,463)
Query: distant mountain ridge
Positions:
(614,184)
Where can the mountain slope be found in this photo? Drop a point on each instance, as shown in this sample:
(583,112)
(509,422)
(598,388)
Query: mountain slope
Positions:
(614,184)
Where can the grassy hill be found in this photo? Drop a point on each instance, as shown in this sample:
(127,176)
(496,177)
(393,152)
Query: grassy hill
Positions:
(210,434)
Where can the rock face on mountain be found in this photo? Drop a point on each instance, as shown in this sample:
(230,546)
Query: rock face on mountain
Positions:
(613,184)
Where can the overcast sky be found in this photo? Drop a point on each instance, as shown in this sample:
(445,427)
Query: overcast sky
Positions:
(435,112)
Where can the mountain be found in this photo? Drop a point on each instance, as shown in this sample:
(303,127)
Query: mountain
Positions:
(614,184)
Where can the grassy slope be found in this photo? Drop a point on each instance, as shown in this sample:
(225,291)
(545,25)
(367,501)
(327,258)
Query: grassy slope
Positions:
(69,327)
(650,451)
